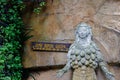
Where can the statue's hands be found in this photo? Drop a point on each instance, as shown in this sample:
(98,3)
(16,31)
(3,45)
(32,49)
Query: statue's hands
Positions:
(110,76)
(60,73)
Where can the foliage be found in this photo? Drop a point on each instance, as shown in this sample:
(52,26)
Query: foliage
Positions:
(39,8)
(10,51)
(14,35)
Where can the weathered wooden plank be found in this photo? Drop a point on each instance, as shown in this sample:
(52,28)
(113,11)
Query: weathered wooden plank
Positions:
(50,46)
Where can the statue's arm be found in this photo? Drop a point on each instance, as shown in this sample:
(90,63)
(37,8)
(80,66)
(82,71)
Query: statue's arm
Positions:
(67,66)
(63,70)
(104,68)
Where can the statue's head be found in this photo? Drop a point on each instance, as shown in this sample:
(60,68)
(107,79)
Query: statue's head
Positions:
(83,30)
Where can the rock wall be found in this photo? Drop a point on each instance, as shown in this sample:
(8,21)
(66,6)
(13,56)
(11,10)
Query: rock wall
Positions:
(57,24)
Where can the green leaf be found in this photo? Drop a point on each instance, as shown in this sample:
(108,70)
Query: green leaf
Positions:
(10,52)
(1,67)
(1,61)
(7,78)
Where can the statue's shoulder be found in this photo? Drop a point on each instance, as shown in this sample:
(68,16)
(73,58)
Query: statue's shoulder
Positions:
(72,46)
(94,45)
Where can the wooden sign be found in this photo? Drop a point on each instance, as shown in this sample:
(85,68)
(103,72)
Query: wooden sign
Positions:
(52,47)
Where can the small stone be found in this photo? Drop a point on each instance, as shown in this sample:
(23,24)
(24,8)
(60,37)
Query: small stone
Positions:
(79,63)
(95,63)
(92,56)
(88,51)
(83,60)
(90,65)
(78,57)
(76,62)
(90,61)
(87,56)
(82,54)
(72,63)
(76,54)
(86,63)
(94,66)
(92,50)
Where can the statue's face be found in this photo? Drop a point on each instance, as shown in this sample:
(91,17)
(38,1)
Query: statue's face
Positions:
(83,32)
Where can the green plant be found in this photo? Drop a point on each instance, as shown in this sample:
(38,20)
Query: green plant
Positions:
(13,34)
(10,51)
(39,8)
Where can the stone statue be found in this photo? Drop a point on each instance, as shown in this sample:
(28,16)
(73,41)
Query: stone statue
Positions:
(84,56)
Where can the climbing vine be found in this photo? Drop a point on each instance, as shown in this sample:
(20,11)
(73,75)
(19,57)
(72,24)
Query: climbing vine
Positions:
(10,54)
(13,34)
(40,6)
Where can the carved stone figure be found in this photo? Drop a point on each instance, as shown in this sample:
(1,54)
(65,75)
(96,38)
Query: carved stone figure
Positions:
(84,56)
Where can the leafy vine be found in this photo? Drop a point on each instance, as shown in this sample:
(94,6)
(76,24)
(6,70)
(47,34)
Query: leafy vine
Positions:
(13,35)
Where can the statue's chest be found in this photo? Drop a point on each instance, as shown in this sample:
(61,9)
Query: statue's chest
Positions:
(84,57)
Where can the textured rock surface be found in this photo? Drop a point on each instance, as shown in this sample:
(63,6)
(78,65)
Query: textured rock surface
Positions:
(49,75)
(108,15)
(57,24)
(114,69)
(107,29)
